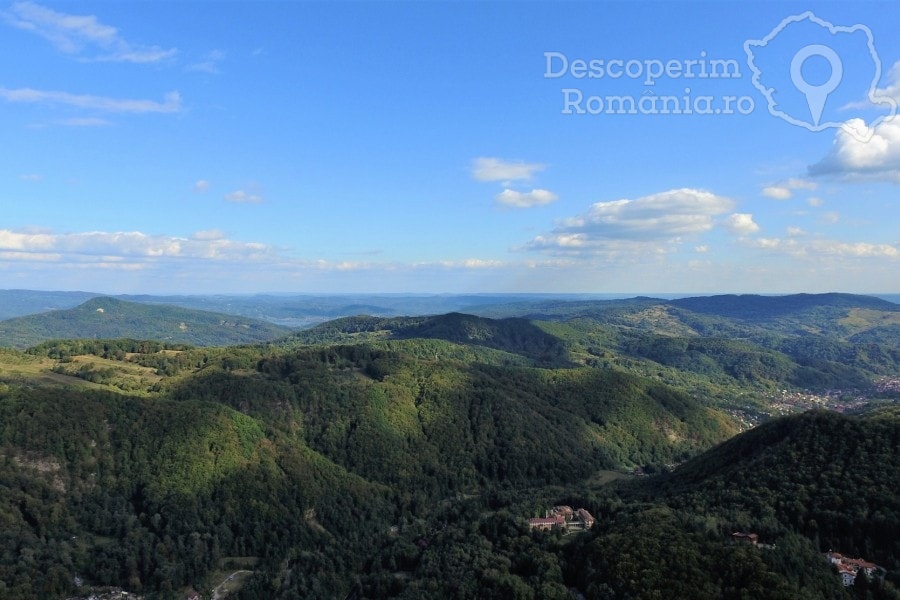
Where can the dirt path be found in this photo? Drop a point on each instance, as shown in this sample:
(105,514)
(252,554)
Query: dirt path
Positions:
(221,591)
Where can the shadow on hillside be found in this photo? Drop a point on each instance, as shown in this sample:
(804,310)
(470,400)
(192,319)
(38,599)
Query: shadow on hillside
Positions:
(513,335)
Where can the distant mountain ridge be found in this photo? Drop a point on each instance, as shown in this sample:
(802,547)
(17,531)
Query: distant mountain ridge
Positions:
(107,318)
(749,306)
(304,310)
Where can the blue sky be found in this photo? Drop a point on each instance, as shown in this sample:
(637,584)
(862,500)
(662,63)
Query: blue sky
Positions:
(199,147)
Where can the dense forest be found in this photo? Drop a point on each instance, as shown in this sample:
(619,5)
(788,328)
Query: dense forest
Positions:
(380,457)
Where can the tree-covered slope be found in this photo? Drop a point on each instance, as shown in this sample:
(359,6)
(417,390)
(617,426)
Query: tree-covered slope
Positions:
(753,307)
(151,494)
(831,477)
(449,425)
(513,335)
(106,318)
(309,454)
(805,484)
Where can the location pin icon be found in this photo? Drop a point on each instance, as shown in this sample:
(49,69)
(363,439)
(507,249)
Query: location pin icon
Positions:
(816,95)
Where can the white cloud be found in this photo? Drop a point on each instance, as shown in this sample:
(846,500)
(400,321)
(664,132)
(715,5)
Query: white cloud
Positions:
(31,177)
(130,244)
(497,169)
(831,217)
(81,35)
(853,160)
(819,247)
(741,224)
(470,263)
(536,197)
(209,64)
(891,91)
(170,104)
(240,196)
(776,192)
(858,249)
(647,224)
(208,235)
(785,189)
(815,201)
(201,186)
(795,231)
(703,248)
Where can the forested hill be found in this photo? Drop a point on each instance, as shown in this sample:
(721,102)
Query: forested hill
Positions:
(803,484)
(304,458)
(755,307)
(105,318)
(809,468)
(512,335)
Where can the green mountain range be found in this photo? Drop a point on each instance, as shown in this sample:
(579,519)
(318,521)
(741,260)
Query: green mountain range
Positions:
(379,457)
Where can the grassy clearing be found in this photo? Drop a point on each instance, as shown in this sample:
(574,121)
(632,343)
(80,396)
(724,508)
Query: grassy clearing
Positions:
(861,319)
(604,477)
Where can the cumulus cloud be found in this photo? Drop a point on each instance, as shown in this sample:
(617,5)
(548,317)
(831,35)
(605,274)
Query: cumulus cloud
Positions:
(201,186)
(785,189)
(853,160)
(536,197)
(892,90)
(497,169)
(815,202)
(171,102)
(741,224)
(81,35)
(644,224)
(241,196)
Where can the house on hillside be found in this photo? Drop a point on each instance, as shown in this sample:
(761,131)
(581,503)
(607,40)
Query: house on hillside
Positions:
(848,575)
(563,511)
(742,537)
(564,517)
(848,568)
(546,523)
(586,518)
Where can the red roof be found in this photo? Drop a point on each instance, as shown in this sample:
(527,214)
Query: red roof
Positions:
(860,563)
(547,521)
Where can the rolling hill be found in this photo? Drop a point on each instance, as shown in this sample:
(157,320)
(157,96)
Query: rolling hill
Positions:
(106,318)
(512,335)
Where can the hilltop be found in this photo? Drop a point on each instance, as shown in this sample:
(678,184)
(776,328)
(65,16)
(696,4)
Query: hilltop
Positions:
(106,318)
